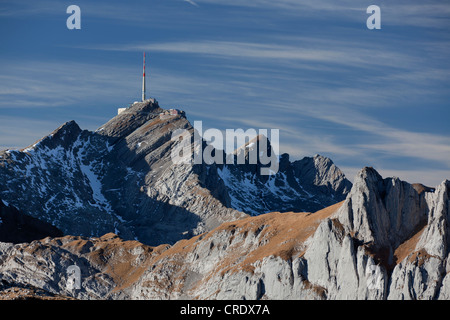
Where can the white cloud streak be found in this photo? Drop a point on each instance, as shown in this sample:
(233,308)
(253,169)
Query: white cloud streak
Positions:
(191,2)
(430,14)
(35,84)
(309,51)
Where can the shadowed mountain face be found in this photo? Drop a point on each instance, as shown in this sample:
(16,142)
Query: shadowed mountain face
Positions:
(121,178)
(17,227)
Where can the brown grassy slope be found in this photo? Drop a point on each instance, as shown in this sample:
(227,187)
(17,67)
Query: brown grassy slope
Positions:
(407,247)
(124,261)
(246,241)
(277,234)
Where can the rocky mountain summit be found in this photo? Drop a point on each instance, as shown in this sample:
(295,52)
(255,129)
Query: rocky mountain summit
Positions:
(121,178)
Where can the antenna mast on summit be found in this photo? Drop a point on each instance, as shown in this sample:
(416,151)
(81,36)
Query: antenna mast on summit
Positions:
(143,81)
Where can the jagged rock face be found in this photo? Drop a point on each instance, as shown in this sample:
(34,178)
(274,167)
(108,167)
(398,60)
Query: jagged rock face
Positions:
(309,185)
(393,236)
(56,180)
(383,212)
(423,270)
(121,178)
(131,119)
(106,265)
(330,254)
(321,176)
(253,258)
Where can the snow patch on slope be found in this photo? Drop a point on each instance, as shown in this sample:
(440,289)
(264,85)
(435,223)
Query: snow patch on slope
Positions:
(250,195)
(94,182)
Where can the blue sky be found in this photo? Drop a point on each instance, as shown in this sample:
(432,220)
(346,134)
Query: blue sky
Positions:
(309,68)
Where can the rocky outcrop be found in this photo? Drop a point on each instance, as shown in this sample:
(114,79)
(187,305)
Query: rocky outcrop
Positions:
(130,119)
(254,258)
(423,270)
(309,184)
(387,235)
(320,176)
(382,213)
(105,265)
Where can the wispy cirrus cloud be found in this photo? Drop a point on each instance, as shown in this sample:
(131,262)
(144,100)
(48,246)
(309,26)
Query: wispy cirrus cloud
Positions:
(308,50)
(59,83)
(310,68)
(393,141)
(191,2)
(430,14)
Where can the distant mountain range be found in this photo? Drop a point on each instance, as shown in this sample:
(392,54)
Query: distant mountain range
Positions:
(139,226)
